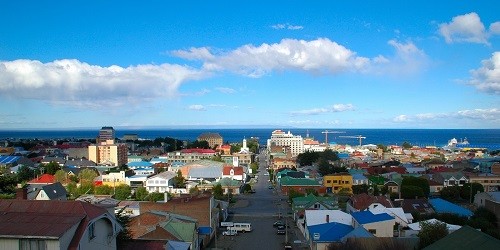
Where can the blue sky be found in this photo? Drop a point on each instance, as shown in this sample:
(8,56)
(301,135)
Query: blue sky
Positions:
(331,64)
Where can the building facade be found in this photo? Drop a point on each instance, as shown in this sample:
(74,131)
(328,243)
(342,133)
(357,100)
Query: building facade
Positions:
(213,139)
(108,153)
(336,182)
(280,138)
(106,133)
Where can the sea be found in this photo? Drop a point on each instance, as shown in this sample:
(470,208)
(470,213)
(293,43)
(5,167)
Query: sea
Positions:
(488,138)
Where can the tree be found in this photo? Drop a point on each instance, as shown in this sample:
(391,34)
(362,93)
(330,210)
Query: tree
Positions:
(410,192)
(247,188)
(406,145)
(179,181)
(431,232)
(51,167)
(450,193)
(218,192)
(217,157)
(254,166)
(466,190)
(141,193)
(293,194)
(253,146)
(156,196)
(194,190)
(122,192)
(8,184)
(87,176)
(359,189)
(72,190)
(418,182)
(61,176)
(103,190)
(324,167)
(307,158)
(382,146)
(24,173)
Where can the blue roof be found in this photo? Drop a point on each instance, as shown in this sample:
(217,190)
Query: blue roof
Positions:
(9,159)
(359,232)
(329,232)
(343,155)
(365,217)
(443,206)
(140,164)
(359,177)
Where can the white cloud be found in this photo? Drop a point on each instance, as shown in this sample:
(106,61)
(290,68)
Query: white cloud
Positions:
(316,56)
(76,83)
(487,78)
(467,28)
(286,26)
(226,90)
(197,107)
(484,115)
(408,59)
(317,111)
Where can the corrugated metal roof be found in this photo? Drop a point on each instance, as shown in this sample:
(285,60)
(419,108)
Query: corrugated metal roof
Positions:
(205,172)
(442,206)
(329,232)
(8,159)
(365,217)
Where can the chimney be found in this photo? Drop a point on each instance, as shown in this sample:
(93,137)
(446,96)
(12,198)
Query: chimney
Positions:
(21,194)
(327,218)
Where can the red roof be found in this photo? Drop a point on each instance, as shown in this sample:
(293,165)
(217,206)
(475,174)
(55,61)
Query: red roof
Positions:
(363,201)
(44,179)
(198,150)
(46,218)
(227,170)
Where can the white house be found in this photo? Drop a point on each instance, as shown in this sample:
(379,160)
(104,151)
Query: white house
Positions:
(380,225)
(160,182)
(316,217)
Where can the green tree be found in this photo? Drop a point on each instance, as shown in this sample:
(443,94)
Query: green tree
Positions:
(382,146)
(235,148)
(410,192)
(359,189)
(24,173)
(61,176)
(450,193)
(72,190)
(217,157)
(122,192)
(417,182)
(293,194)
(406,145)
(254,166)
(103,190)
(51,167)
(199,144)
(8,184)
(466,190)
(87,176)
(253,146)
(431,232)
(194,190)
(324,167)
(217,191)
(156,196)
(179,181)
(247,188)
(141,193)
(307,158)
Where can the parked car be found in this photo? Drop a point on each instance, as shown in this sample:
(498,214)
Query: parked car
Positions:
(278,223)
(281,229)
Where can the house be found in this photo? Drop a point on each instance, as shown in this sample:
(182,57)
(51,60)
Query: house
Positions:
(322,235)
(43,179)
(160,182)
(397,213)
(490,182)
(450,178)
(228,186)
(363,201)
(80,163)
(234,173)
(443,206)
(380,225)
(480,198)
(299,185)
(164,226)
(202,208)
(313,202)
(318,217)
(128,208)
(56,225)
(415,206)
(359,179)
(414,228)
(54,191)
(338,182)
(58,160)
(465,238)
(104,201)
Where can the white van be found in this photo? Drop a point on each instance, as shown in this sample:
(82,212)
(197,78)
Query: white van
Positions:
(243,227)
(230,232)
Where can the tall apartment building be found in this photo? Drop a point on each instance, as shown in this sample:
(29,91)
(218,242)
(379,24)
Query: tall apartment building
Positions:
(106,133)
(213,139)
(108,153)
(294,142)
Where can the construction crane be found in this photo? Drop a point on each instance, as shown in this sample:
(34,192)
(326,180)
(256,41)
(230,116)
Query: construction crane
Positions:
(326,132)
(360,137)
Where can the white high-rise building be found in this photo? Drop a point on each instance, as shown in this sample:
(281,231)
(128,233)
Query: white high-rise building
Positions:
(280,138)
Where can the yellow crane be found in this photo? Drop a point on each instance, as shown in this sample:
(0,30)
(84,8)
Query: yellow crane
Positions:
(359,137)
(326,132)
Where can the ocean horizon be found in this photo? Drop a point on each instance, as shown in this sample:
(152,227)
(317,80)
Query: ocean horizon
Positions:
(416,137)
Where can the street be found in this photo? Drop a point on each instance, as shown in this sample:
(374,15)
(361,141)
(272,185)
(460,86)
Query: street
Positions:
(261,209)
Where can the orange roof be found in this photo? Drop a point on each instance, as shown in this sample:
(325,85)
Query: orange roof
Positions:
(227,170)
(43,179)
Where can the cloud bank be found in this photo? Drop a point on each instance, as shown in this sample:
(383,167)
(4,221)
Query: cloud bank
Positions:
(492,115)
(468,28)
(487,78)
(316,111)
(75,82)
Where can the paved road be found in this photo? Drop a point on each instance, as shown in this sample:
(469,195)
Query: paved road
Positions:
(261,209)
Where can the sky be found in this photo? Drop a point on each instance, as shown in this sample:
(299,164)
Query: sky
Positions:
(303,64)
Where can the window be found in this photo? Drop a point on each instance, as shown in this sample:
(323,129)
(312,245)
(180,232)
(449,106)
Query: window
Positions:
(91,231)
(328,181)
(372,231)
(32,244)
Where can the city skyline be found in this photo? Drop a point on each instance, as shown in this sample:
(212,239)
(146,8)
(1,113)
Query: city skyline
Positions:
(271,64)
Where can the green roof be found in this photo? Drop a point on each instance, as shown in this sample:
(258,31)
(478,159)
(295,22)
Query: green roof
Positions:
(227,182)
(377,180)
(289,181)
(307,201)
(465,238)
(181,230)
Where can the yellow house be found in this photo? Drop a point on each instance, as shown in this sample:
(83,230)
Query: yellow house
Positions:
(336,182)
